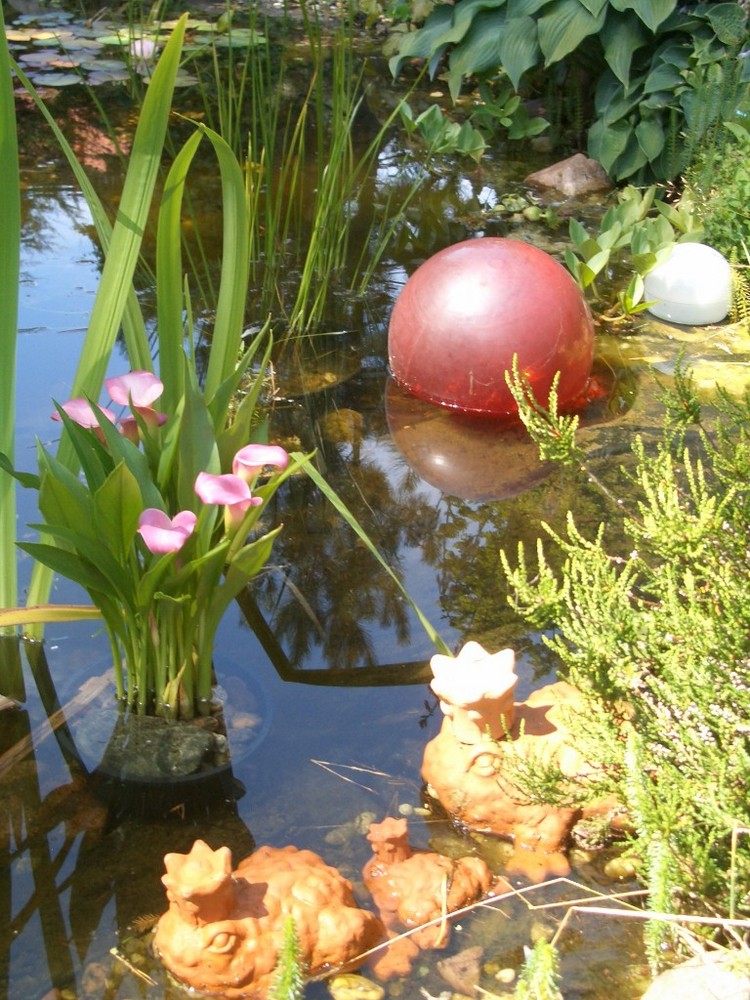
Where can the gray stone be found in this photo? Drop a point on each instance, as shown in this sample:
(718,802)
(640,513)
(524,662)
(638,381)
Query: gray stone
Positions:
(572,177)
(720,975)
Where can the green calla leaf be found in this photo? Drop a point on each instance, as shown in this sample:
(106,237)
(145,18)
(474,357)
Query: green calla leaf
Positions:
(67,564)
(117,506)
(29,480)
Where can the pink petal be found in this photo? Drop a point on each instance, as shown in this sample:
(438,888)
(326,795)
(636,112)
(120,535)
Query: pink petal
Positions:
(82,413)
(226,489)
(141,387)
(234,512)
(162,534)
(253,458)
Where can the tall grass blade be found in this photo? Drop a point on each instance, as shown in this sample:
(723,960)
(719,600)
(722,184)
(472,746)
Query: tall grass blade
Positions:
(354,524)
(10,245)
(124,248)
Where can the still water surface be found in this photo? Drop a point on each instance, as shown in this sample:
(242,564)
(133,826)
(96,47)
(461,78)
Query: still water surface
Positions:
(334,693)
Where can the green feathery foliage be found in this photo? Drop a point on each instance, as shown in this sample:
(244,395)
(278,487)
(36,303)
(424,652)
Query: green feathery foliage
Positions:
(650,618)
(289,978)
(540,974)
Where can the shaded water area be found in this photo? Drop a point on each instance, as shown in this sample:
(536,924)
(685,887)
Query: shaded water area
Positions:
(323,668)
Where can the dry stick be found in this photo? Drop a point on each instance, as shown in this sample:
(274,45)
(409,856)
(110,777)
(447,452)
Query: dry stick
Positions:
(489,903)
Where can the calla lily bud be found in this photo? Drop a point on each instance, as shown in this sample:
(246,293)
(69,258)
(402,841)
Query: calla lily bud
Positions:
(162,534)
(253,458)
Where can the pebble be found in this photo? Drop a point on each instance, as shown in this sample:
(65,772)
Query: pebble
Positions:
(619,868)
(351,986)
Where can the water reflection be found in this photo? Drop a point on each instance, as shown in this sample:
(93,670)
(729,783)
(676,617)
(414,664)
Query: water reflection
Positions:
(460,456)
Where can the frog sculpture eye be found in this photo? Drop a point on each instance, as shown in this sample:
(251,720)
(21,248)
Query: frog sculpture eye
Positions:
(222,942)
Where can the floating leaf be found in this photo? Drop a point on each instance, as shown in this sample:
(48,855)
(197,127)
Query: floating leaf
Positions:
(59,79)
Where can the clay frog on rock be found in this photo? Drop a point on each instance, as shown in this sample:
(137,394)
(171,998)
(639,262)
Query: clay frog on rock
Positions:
(412,887)
(469,765)
(224,928)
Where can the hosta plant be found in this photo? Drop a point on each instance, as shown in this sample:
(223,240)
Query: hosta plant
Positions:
(661,74)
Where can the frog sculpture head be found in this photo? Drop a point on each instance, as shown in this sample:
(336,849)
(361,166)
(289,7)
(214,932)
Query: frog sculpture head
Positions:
(224,929)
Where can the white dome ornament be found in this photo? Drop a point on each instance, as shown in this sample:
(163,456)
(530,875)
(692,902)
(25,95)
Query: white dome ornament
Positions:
(693,286)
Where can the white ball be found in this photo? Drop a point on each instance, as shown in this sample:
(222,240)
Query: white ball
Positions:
(693,286)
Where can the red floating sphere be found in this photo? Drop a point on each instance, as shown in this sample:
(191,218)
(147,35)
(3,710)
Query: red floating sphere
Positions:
(464,314)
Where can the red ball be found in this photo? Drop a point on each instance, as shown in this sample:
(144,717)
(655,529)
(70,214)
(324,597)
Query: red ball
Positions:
(467,310)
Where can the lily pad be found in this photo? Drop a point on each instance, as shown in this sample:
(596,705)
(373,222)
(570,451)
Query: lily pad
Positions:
(45,37)
(47,57)
(107,76)
(58,79)
(15,35)
(82,45)
(240,38)
(105,66)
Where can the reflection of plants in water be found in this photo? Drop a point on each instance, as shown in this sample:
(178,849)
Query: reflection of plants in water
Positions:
(471,538)
(327,591)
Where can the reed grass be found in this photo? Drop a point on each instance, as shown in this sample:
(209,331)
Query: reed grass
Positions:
(10,244)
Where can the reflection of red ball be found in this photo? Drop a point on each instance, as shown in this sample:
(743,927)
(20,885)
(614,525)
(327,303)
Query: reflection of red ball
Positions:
(465,312)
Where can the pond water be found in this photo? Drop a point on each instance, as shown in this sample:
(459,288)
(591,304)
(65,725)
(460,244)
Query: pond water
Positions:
(326,668)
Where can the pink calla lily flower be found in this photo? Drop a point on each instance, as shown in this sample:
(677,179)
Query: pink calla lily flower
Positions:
(82,413)
(229,490)
(139,388)
(253,458)
(163,534)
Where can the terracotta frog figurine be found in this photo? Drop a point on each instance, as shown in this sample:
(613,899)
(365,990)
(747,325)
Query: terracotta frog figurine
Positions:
(224,928)
(411,887)
(468,766)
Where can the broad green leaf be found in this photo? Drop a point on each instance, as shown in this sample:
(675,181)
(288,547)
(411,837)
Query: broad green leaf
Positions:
(10,242)
(479,51)
(519,47)
(63,498)
(612,100)
(594,7)
(117,507)
(115,579)
(67,564)
(29,480)
(465,15)
(631,160)
(596,263)
(651,12)
(123,450)
(620,37)
(563,27)
(525,8)
(650,136)
(421,43)
(664,77)
(729,21)
(606,143)
(248,562)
